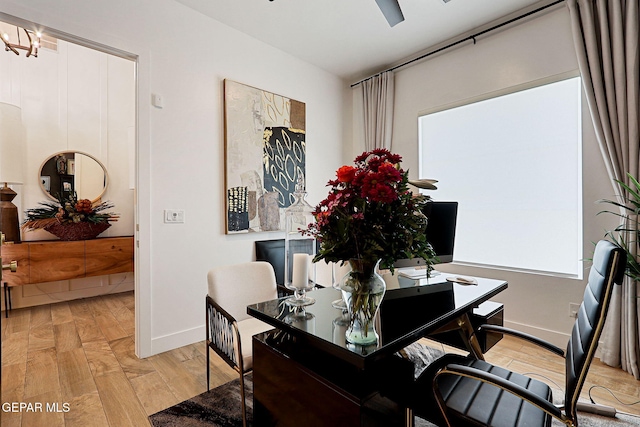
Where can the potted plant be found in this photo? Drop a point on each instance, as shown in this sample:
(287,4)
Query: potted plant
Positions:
(627,234)
(70,218)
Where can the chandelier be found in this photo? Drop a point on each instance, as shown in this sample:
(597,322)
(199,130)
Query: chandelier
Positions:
(23,39)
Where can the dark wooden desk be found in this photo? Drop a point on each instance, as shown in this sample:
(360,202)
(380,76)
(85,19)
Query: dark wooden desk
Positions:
(305,372)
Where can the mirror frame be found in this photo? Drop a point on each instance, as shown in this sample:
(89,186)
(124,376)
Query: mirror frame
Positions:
(106,174)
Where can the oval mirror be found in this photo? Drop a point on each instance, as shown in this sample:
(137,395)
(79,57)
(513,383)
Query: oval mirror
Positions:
(69,171)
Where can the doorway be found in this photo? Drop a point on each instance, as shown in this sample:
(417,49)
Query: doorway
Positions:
(76,98)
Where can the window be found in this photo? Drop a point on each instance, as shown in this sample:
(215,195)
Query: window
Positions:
(513,162)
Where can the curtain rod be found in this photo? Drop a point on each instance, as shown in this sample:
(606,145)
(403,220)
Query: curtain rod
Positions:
(472,38)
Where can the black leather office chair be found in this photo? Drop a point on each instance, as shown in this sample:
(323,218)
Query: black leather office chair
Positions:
(463,391)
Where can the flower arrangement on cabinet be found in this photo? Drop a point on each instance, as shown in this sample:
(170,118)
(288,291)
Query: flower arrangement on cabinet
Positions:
(70,218)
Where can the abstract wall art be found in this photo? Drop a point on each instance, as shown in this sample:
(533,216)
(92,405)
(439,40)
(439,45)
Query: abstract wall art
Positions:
(265,154)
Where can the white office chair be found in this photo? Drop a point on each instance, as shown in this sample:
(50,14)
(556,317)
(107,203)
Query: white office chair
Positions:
(229,328)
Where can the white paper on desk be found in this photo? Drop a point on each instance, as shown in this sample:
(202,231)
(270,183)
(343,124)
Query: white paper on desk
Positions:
(413,273)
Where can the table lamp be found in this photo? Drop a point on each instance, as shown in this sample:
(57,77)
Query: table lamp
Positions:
(12,146)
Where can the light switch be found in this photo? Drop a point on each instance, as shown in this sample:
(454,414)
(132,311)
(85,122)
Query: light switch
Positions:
(157,100)
(174,216)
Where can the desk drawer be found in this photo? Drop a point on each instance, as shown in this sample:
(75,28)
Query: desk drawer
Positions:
(489,312)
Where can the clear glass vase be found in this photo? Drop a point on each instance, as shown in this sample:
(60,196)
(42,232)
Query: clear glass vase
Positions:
(362,290)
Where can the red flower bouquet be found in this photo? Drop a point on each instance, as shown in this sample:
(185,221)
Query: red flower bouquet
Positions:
(370,214)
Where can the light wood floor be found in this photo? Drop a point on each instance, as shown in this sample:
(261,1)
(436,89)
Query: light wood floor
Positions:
(82,353)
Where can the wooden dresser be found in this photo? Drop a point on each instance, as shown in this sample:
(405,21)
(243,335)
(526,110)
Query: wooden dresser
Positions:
(49,261)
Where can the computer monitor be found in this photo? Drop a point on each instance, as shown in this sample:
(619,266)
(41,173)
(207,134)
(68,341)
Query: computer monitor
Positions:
(441,232)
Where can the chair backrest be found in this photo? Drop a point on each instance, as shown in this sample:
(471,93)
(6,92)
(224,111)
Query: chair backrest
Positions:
(608,267)
(234,287)
(272,251)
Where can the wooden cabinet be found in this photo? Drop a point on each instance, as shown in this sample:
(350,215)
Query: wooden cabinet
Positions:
(52,261)
(19,253)
(108,256)
(40,262)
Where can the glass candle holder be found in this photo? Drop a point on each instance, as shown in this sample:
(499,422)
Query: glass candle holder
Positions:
(299,249)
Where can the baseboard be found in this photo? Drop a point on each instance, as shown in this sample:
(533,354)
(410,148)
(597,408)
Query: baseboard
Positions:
(45,295)
(177,339)
(554,337)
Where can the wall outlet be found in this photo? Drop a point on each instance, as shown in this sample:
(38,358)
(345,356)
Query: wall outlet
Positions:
(573,309)
(174,216)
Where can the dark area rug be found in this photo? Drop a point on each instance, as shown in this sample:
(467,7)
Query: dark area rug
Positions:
(221,407)
(217,407)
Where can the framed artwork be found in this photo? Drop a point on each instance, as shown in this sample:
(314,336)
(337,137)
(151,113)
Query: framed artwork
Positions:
(46,182)
(265,155)
(61,164)
(66,185)
(71,167)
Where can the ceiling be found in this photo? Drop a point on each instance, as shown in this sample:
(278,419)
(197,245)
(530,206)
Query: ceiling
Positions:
(351,38)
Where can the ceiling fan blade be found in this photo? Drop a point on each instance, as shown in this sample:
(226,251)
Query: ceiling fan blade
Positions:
(391,10)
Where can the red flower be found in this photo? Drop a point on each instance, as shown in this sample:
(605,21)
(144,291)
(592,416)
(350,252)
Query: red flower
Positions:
(382,193)
(369,182)
(390,172)
(346,174)
(374,163)
(394,158)
(362,157)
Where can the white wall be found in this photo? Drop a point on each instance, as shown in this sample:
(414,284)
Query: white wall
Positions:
(73,99)
(184,56)
(530,51)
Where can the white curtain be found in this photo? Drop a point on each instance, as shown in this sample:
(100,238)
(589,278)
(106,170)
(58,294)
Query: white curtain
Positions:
(377,100)
(606,37)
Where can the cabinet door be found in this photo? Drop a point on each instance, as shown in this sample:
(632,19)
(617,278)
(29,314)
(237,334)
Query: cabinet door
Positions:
(16,252)
(109,256)
(51,261)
